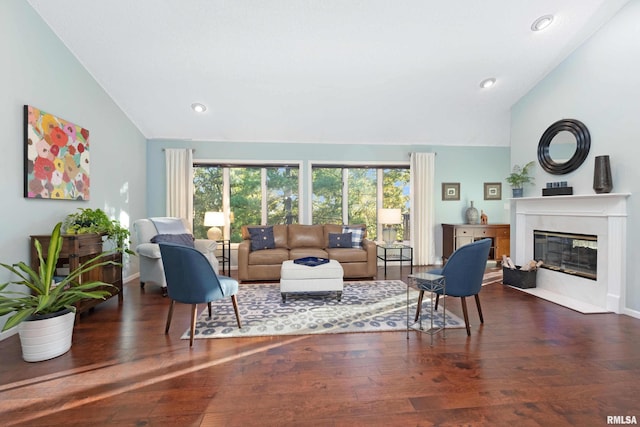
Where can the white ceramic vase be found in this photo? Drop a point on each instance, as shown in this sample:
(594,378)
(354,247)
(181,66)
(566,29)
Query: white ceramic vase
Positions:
(44,339)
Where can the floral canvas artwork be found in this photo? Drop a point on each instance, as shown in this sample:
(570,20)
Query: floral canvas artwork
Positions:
(56,157)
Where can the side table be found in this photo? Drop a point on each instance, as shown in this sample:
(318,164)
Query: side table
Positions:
(226,256)
(429,283)
(395,252)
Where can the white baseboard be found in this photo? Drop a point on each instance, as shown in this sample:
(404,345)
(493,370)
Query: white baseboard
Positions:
(6,334)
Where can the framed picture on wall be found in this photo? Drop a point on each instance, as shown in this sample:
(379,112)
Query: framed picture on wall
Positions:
(56,157)
(450,191)
(492,190)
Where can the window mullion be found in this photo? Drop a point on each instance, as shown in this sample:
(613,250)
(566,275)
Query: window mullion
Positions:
(264,201)
(226,201)
(345,196)
(379,198)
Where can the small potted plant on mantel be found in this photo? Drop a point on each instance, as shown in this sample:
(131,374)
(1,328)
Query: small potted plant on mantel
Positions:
(45,305)
(519,177)
(96,221)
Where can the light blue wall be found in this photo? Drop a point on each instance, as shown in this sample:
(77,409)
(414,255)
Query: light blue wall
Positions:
(38,70)
(470,166)
(599,84)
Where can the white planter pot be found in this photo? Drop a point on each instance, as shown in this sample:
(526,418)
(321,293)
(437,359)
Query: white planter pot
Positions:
(45,339)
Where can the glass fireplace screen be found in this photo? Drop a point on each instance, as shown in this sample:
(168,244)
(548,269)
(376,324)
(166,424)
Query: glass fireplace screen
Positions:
(575,254)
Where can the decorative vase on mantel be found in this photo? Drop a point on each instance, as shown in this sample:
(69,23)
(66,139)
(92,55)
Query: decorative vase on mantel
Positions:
(602,182)
(472,215)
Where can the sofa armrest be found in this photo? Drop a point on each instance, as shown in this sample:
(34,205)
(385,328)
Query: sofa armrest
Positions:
(244,248)
(149,250)
(372,260)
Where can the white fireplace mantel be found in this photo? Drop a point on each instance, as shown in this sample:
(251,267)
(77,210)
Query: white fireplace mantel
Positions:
(603,215)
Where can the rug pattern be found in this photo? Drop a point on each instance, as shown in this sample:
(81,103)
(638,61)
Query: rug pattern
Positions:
(367,306)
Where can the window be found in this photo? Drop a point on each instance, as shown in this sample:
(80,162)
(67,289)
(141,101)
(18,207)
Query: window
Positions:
(353,194)
(252,194)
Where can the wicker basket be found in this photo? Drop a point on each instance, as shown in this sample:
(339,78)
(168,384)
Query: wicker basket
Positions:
(519,278)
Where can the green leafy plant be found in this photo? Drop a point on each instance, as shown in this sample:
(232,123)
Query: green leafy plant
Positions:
(96,221)
(520,175)
(43,296)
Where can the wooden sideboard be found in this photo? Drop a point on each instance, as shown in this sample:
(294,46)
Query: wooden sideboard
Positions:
(80,248)
(457,235)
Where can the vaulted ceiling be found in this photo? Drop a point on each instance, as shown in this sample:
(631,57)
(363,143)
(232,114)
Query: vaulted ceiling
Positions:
(341,71)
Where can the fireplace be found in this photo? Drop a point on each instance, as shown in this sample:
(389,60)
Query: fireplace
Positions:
(601,215)
(568,253)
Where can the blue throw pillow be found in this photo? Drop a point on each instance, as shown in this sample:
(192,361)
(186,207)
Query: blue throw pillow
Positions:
(262,238)
(340,240)
(357,235)
(179,239)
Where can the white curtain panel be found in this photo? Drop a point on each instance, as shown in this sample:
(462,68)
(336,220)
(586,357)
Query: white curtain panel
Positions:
(179,173)
(422,209)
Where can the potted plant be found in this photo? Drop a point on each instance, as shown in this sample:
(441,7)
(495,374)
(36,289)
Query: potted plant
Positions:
(518,177)
(45,311)
(96,221)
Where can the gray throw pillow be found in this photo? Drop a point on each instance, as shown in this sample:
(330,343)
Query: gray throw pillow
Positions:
(357,235)
(179,239)
(262,238)
(340,240)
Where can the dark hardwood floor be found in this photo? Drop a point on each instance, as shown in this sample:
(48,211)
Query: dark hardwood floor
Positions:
(532,363)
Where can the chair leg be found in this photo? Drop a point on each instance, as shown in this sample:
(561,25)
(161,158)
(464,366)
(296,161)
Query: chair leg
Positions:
(466,315)
(437,301)
(234,300)
(209,305)
(194,315)
(166,328)
(479,308)
(419,307)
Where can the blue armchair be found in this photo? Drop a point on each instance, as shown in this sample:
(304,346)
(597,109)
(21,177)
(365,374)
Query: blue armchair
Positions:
(191,279)
(463,273)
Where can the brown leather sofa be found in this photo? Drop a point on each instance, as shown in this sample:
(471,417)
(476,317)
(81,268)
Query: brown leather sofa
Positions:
(298,241)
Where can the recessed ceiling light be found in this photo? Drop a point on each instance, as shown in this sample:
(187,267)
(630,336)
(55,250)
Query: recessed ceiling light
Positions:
(198,108)
(542,23)
(487,83)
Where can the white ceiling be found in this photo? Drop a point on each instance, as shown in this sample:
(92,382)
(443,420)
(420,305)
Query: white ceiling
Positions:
(342,71)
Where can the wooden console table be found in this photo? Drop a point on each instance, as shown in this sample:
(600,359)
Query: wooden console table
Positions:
(457,235)
(80,248)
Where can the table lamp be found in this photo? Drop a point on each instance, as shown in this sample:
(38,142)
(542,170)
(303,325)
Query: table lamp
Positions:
(214,220)
(388,218)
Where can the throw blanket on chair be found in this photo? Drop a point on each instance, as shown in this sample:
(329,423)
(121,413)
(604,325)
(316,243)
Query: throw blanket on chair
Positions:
(166,225)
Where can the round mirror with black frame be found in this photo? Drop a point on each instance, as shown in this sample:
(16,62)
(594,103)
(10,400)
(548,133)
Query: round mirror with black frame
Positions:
(554,140)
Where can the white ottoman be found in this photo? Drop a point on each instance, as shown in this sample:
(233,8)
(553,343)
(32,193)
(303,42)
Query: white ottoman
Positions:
(301,278)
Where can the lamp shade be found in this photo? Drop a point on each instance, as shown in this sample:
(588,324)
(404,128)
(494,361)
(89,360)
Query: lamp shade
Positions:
(390,216)
(213,219)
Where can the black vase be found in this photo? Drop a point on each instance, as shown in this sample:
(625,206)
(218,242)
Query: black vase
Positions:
(602,182)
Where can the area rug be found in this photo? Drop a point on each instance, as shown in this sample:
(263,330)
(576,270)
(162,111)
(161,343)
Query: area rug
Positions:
(367,306)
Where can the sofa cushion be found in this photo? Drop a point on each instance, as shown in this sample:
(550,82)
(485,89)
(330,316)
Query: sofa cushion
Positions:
(262,238)
(340,240)
(305,236)
(346,255)
(184,239)
(280,232)
(268,256)
(357,235)
(305,252)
